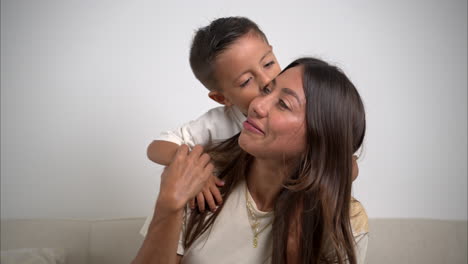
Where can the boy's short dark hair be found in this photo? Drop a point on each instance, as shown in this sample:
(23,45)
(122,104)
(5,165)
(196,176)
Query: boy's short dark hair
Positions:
(212,40)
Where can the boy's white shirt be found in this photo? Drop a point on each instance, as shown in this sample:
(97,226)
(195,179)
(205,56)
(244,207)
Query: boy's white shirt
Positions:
(217,124)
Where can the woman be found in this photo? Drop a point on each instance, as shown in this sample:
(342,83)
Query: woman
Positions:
(287,188)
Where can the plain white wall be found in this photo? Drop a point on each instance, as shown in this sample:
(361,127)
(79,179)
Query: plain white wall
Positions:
(86,86)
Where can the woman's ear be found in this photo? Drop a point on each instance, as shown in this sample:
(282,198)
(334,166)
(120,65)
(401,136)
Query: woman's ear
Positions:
(219,97)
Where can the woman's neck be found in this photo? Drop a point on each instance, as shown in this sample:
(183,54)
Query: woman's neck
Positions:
(265,181)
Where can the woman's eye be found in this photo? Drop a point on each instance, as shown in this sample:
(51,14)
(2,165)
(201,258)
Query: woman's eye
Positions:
(269,64)
(283,105)
(246,82)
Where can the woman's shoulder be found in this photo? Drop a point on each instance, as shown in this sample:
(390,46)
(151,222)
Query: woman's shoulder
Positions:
(358,217)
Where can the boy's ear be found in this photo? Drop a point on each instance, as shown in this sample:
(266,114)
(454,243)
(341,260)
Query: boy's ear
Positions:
(219,97)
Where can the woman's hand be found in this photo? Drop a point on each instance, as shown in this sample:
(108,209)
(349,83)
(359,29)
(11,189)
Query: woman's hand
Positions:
(184,178)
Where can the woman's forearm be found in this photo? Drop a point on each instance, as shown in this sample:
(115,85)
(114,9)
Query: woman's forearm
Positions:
(160,244)
(180,182)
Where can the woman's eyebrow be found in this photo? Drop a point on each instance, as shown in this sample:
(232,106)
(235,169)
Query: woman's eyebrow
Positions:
(292,93)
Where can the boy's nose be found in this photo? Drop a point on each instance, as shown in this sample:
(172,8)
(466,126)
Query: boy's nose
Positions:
(263,79)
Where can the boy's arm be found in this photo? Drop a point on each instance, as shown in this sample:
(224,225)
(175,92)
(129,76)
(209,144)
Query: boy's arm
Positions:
(162,152)
(215,124)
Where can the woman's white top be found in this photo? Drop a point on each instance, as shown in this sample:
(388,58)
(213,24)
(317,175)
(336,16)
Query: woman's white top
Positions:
(230,240)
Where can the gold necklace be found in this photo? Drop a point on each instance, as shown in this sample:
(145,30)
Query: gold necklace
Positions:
(254,223)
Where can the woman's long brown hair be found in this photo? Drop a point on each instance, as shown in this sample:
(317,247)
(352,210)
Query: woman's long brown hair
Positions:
(317,195)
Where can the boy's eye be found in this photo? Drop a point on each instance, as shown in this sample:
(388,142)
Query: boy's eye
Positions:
(246,82)
(269,64)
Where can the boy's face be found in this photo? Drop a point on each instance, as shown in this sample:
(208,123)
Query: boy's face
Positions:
(243,69)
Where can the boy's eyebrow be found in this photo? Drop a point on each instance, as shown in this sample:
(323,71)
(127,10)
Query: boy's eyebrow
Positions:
(266,54)
(263,57)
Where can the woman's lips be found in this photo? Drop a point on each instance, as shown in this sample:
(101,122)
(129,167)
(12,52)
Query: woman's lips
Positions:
(252,127)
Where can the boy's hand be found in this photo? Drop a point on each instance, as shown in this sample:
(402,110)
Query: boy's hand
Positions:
(210,193)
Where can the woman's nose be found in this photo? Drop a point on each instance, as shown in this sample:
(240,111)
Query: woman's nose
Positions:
(259,107)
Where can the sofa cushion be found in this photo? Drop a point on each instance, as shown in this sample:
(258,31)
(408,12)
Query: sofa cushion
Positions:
(115,241)
(70,235)
(33,256)
(417,241)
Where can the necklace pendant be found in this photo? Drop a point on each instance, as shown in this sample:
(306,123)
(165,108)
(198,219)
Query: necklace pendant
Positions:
(255,242)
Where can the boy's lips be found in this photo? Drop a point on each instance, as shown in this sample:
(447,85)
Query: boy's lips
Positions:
(253,127)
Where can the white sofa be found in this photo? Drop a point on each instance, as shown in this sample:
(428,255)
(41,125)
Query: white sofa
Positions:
(116,241)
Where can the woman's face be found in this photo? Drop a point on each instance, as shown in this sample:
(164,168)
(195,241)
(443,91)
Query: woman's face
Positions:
(276,127)
(244,68)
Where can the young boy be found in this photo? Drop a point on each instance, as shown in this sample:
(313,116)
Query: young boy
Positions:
(232,58)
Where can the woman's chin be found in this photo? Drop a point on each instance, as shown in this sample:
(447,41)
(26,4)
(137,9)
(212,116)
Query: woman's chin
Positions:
(246,143)
(241,140)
